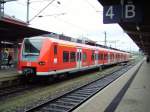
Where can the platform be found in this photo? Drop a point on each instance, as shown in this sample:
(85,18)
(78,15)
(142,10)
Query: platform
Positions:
(9,77)
(137,98)
(129,93)
(9,72)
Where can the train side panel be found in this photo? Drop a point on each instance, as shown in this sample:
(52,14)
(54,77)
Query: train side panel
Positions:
(60,56)
(65,58)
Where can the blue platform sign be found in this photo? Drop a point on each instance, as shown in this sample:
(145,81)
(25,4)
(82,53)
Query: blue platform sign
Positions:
(126,13)
(132,13)
(112,14)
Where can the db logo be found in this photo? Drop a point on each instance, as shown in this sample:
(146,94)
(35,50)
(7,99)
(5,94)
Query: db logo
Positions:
(28,63)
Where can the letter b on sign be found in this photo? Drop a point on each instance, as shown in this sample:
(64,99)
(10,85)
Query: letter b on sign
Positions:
(129,11)
(132,13)
(125,13)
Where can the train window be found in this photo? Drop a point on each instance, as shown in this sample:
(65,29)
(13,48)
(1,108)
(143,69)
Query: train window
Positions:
(117,56)
(108,56)
(65,56)
(32,46)
(111,56)
(105,56)
(84,56)
(92,56)
(96,56)
(72,57)
(78,57)
(55,49)
(100,56)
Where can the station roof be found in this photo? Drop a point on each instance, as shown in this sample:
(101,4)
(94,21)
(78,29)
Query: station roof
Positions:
(15,30)
(139,32)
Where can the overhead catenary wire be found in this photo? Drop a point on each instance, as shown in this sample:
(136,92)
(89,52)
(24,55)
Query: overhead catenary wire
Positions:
(92,6)
(41,10)
(62,20)
(71,24)
(23,4)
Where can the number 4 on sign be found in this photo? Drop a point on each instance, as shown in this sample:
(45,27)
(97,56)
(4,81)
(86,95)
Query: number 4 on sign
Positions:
(110,13)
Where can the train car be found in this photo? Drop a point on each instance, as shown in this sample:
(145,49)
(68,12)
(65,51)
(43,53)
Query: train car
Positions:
(41,56)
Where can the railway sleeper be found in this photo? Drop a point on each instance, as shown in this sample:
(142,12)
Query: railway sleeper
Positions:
(66,103)
(70,100)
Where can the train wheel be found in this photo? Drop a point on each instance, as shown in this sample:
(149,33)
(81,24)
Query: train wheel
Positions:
(62,76)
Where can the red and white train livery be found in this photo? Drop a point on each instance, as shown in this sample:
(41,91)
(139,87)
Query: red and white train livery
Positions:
(48,56)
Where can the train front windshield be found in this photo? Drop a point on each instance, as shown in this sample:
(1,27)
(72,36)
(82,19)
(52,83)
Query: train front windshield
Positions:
(31,49)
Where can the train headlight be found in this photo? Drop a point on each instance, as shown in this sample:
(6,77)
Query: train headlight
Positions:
(41,63)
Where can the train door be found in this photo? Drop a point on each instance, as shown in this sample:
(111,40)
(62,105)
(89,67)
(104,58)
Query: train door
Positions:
(79,58)
(96,57)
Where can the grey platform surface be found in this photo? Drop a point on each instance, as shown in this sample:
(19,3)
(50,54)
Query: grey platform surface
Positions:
(136,98)
(7,73)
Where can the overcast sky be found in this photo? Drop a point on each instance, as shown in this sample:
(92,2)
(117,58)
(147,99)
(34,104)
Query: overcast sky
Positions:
(75,18)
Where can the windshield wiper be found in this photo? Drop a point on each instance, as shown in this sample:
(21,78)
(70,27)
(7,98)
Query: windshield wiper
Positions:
(31,54)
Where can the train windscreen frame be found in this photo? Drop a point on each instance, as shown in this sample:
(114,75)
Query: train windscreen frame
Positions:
(31,48)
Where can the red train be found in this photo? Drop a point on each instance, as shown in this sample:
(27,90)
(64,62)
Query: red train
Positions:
(40,56)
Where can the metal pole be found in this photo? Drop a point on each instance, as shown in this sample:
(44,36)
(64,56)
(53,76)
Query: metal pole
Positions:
(122,4)
(2,2)
(105,39)
(1,8)
(28,3)
(0,54)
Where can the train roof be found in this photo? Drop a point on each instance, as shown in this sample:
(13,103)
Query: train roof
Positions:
(76,44)
(84,45)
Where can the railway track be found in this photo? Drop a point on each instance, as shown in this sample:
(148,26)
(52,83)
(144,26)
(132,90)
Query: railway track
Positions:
(11,91)
(71,100)
(16,90)
(19,89)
